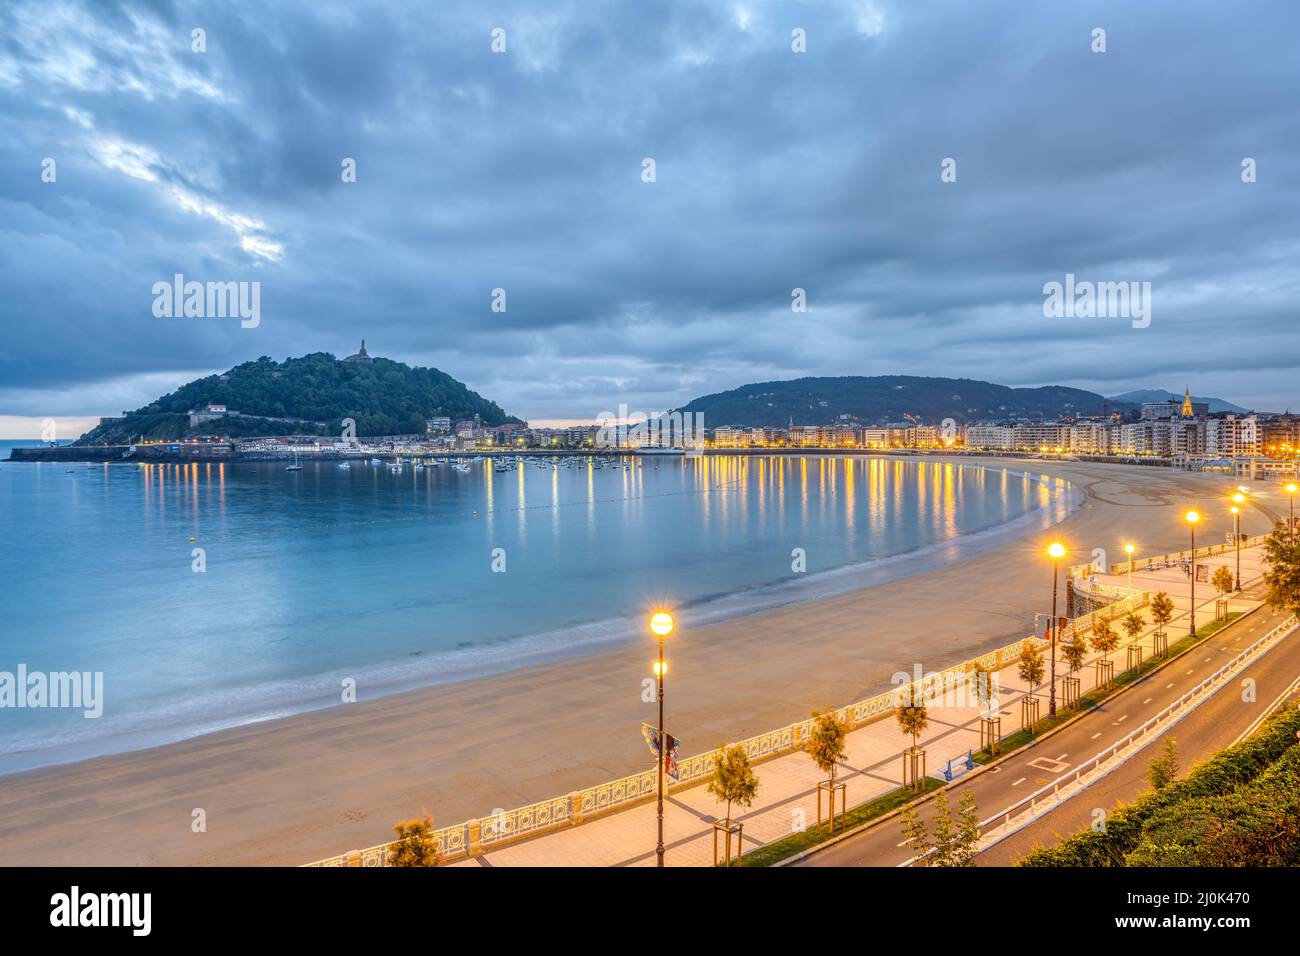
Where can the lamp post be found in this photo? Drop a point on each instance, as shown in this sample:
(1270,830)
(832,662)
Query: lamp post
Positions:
(1192,517)
(1057,551)
(1291,490)
(661,625)
(1238,500)
(1129,549)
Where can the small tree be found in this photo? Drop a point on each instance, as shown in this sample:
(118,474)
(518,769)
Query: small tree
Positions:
(945,832)
(1074,652)
(1030,666)
(733,779)
(1162,610)
(1133,625)
(1104,638)
(415,845)
(1164,766)
(1222,579)
(913,717)
(826,742)
(914,834)
(1282,560)
(968,831)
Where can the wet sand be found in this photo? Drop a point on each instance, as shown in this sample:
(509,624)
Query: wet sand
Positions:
(294,790)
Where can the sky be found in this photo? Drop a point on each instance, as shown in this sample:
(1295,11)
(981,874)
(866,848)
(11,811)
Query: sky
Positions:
(524,169)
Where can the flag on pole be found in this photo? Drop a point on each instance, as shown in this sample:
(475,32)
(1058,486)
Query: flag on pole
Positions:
(651,735)
(673,746)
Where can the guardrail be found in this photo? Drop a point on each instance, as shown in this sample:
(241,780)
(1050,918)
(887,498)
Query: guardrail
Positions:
(1109,753)
(1164,560)
(474,836)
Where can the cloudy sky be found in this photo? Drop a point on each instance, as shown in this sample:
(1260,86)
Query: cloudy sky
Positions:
(774,170)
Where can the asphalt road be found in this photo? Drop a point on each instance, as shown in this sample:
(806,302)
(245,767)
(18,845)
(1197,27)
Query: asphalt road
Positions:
(1215,724)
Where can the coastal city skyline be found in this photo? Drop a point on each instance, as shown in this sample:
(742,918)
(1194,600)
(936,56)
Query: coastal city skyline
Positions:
(491,436)
(877,229)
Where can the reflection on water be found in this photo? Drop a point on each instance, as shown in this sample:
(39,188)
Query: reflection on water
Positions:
(328,571)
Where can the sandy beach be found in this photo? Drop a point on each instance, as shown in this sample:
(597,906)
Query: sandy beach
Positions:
(291,791)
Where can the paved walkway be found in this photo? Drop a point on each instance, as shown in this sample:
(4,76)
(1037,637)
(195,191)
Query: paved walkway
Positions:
(787,794)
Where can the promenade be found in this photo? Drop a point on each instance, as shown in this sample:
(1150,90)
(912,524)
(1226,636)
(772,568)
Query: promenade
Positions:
(787,794)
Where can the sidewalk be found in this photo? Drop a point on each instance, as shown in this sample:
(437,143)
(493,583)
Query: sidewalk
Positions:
(787,794)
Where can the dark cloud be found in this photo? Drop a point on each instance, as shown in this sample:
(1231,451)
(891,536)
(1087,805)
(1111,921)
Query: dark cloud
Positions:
(522,171)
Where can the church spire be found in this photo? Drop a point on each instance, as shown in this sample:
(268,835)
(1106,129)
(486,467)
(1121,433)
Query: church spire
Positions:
(1187,411)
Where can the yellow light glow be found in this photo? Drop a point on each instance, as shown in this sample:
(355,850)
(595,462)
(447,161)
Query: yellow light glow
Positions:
(1238,498)
(1056,549)
(661,623)
(659,669)
(1129,549)
(1290,489)
(1192,517)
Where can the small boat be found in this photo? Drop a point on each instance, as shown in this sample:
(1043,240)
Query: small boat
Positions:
(345,464)
(375,461)
(295,466)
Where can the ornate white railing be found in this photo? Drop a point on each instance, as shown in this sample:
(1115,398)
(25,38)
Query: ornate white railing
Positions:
(474,836)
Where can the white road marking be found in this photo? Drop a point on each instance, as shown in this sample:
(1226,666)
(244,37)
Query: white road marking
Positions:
(1121,718)
(1018,782)
(1147,701)
(1096,735)
(1169,685)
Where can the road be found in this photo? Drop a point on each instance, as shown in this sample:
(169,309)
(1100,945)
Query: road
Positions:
(1212,726)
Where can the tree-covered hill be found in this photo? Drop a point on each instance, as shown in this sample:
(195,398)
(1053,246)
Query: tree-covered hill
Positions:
(307,395)
(885,398)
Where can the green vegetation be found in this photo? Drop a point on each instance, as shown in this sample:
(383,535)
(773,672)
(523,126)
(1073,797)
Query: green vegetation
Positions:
(885,398)
(1282,558)
(310,395)
(955,838)
(913,718)
(1222,579)
(1104,637)
(415,845)
(825,742)
(1020,737)
(786,847)
(1239,808)
(1162,610)
(1163,768)
(1075,652)
(733,779)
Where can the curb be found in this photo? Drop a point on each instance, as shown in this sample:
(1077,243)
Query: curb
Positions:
(877,821)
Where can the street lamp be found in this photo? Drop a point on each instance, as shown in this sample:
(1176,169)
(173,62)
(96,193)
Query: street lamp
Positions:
(1238,500)
(1129,549)
(661,625)
(1291,490)
(1057,551)
(1192,517)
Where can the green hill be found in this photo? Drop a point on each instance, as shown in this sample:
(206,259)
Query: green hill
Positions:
(885,398)
(310,395)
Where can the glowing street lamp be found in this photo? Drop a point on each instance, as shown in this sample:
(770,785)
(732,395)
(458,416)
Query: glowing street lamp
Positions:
(1129,549)
(1192,518)
(1238,500)
(661,625)
(1056,551)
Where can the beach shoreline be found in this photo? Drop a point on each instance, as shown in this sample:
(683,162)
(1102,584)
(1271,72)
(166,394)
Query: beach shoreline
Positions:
(280,699)
(302,787)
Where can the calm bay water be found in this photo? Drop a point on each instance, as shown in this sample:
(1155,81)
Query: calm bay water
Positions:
(326,573)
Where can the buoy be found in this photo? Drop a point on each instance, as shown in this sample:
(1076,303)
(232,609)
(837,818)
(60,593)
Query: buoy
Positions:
(475,514)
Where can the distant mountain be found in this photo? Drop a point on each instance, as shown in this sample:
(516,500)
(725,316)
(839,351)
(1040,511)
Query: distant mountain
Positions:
(310,395)
(885,398)
(1138,396)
